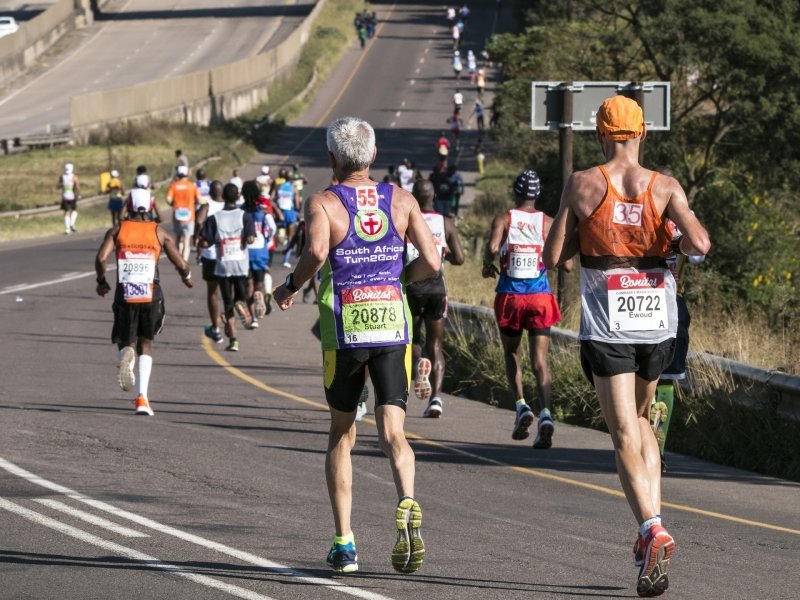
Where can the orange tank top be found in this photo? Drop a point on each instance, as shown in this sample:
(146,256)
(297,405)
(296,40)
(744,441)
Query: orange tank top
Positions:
(138,250)
(624,231)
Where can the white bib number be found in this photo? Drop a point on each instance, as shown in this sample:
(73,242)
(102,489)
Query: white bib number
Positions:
(232,249)
(136,270)
(523,261)
(637,302)
(183,214)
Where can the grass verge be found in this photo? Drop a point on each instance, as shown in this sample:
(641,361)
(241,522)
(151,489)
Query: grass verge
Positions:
(706,423)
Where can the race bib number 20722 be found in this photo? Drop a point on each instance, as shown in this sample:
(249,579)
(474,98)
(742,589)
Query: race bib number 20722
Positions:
(637,302)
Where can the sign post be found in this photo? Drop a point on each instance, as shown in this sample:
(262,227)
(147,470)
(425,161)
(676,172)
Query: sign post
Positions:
(572,106)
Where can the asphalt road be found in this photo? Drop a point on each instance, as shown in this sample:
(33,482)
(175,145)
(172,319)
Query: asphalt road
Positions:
(222,493)
(135,41)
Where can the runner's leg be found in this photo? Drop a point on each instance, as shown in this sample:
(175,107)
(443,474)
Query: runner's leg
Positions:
(390,420)
(539,346)
(434,334)
(339,468)
(511,345)
(632,436)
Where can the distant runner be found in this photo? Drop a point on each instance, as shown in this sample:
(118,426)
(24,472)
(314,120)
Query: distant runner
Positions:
(616,216)
(259,281)
(356,231)
(203,185)
(427,301)
(524,301)
(231,230)
(70,189)
(208,260)
(116,198)
(264,181)
(288,203)
(183,196)
(138,301)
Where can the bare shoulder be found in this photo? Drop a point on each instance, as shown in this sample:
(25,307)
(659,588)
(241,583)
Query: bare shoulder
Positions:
(403,199)
(587,181)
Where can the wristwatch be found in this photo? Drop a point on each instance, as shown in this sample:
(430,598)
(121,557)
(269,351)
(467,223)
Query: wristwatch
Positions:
(289,283)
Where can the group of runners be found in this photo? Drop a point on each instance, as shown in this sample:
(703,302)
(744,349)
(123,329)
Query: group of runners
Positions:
(379,250)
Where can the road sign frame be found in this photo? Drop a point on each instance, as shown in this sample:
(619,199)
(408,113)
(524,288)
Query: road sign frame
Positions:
(547,97)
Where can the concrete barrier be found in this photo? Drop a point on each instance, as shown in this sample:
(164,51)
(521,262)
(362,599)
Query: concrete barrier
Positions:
(205,97)
(744,384)
(20,50)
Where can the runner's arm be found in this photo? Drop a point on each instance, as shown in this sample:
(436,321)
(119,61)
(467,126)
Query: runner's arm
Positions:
(456,255)
(562,239)
(429,262)
(695,240)
(200,220)
(106,248)
(493,246)
(314,254)
(77,188)
(174,256)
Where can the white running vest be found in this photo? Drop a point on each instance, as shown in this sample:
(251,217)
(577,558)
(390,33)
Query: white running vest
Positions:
(214,207)
(435,222)
(520,255)
(68,187)
(232,257)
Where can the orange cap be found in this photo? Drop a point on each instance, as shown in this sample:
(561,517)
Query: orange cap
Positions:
(619,118)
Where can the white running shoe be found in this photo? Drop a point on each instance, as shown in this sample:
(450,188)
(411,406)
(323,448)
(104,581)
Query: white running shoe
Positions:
(422,384)
(125,375)
(361,410)
(287,264)
(434,410)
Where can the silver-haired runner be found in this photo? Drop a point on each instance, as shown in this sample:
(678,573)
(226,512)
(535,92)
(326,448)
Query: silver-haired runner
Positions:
(356,234)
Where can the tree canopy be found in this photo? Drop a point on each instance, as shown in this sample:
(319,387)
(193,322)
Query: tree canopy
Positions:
(735,137)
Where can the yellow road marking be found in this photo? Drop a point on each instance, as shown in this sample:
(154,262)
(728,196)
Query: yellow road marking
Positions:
(216,357)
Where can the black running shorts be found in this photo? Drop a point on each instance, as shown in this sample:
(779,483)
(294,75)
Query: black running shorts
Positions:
(345,375)
(209,264)
(429,306)
(134,320)
(646,360)
(677,368)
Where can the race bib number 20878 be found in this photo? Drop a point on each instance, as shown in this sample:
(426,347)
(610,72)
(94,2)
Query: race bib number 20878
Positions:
(637,302)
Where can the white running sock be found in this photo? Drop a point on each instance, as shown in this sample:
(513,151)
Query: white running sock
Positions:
(268,283)
(145,366)
(73,217)
(645,527)
(66,222)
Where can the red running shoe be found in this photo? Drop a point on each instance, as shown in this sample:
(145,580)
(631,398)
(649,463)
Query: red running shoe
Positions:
(657,548)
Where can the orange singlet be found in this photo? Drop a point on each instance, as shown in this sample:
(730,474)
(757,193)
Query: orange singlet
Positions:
(624,227)
(138,250)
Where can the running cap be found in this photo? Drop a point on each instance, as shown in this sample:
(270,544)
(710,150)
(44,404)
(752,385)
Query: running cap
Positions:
(620,118)
(143,181)
(140,200)
(183,170)
(526,185)
(114,173)
(265,170)
(69,168)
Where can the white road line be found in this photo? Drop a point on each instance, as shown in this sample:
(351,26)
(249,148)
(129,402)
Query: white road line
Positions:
(391,124)
(90,518)
(413,81)
(422,60)
(148,561)
(241,555)
(426,49)
(397,114)
(403,104)
(69,277)
(417,71)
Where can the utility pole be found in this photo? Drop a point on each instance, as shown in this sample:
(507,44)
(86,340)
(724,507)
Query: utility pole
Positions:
(565,285)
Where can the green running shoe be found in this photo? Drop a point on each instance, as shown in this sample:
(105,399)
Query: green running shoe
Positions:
(409,549)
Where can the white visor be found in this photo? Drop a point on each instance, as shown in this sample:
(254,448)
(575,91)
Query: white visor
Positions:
(140,200)
(183,170)
(143,181)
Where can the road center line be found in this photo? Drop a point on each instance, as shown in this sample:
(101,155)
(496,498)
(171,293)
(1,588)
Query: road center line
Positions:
(246,557)
(24,286)
(148,562)
(216,357)
(90,518)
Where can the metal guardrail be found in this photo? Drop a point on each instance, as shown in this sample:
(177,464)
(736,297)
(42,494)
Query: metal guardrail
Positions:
(31,142)
(752,386)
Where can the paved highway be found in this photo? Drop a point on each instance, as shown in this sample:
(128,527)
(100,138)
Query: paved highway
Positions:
(222,493)
(135,41)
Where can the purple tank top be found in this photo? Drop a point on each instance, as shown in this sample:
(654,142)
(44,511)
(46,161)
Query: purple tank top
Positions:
(362,298)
